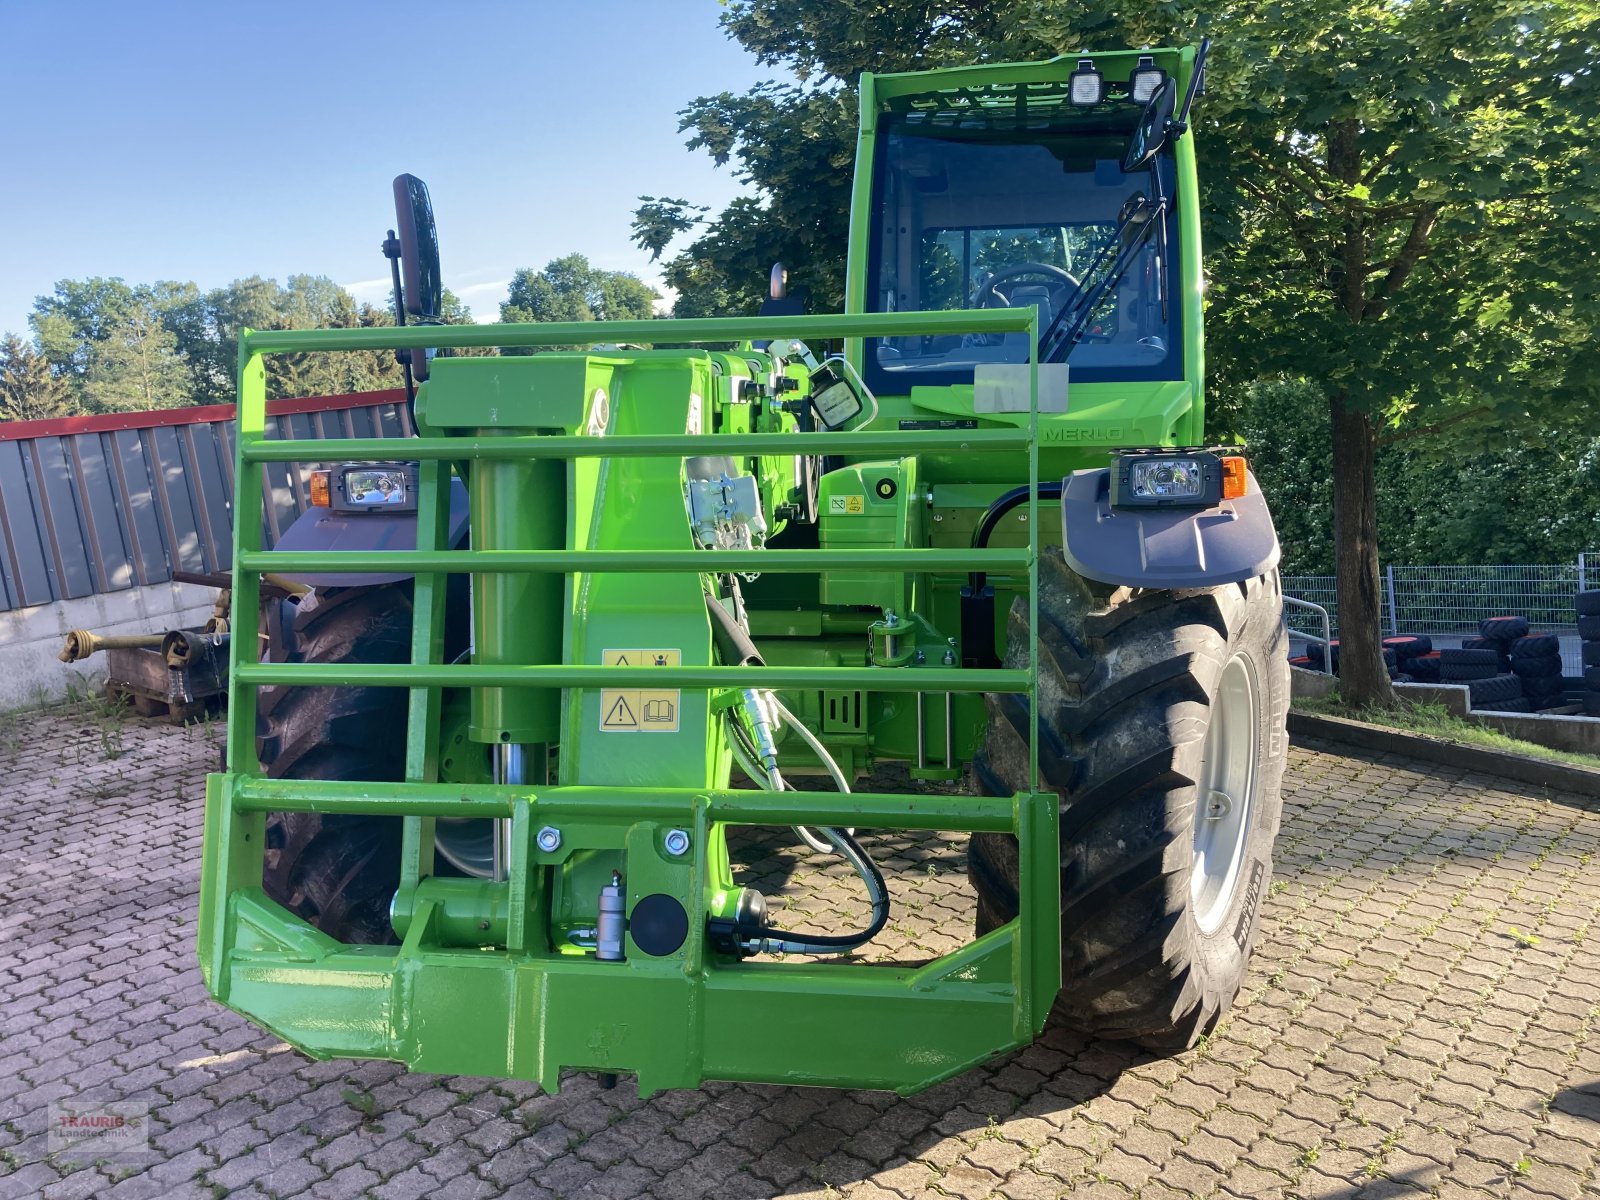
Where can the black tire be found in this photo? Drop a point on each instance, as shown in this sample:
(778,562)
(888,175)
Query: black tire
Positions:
(1479,643)
(1390,660)
(1535,645)
(1587,603)
(1503,629)
(1518,705)
(1450,672)
(1424,669)
(1469,657)
(1538,666)
(1546,687)
(1130,683)
(1591,678)
(1402,677)
(1591,704)
(1591,654)
(1495,688)
(337,872)
(1589,627)
(1409,645)
(1324,658)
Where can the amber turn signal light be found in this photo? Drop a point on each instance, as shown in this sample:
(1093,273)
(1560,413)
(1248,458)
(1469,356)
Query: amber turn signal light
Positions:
(1233,477)
(319,489)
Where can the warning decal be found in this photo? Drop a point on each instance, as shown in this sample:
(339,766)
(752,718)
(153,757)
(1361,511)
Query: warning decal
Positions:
(641,658)
(640,710)
(619,712)
(852,506)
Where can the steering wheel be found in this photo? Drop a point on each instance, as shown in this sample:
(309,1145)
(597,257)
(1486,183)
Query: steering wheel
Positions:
(990,288)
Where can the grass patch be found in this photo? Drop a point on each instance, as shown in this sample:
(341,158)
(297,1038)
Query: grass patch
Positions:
(1437,721)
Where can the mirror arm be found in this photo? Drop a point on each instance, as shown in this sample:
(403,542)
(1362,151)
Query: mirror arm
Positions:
(1179,125)
(391,251)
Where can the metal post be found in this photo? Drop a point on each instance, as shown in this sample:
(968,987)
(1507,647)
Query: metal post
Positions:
(1394,615)
(1583,585)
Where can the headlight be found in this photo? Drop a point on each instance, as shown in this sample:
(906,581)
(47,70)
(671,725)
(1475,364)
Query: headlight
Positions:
(1166,478)
(1175,478)
(366,487)
(376,487)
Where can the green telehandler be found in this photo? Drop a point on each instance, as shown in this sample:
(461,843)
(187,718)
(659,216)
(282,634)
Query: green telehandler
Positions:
(609,604)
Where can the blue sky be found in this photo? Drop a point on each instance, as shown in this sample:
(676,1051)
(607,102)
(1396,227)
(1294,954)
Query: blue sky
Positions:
(211,141)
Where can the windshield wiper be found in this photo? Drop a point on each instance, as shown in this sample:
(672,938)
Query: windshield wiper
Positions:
(1055,347)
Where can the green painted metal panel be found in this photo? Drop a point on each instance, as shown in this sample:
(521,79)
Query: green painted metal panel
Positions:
(911,679)
(470,449)
(544,392)
(908,560)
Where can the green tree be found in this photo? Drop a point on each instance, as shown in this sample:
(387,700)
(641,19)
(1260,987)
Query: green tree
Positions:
(29,389)
(1418,235)
(73,319)
(795,146)
(184,313)
(136,365)
(1399,203)
(570,289)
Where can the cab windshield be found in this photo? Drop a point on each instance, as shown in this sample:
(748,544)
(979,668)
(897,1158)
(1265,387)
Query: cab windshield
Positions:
(989,212)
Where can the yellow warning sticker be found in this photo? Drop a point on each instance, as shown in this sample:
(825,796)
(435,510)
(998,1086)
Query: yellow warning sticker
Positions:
(641,658)
(640,710)
(850,506)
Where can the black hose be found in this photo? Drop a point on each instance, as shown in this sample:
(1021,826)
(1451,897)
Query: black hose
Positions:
(992,516)
(734,647)
(825,943)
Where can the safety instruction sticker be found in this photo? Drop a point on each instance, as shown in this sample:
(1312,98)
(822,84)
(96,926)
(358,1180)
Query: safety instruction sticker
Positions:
(852,506)
(640,710)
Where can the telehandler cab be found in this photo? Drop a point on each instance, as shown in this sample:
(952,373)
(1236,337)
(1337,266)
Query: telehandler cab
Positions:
(610,604)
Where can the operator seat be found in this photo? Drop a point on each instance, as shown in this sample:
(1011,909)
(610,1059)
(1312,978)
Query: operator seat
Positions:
(1038,295)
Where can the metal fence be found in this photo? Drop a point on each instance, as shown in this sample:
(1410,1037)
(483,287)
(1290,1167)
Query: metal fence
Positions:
(1450,601)
(106,503)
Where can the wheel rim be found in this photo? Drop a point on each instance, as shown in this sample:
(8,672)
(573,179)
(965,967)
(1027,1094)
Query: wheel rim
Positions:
(1226,801)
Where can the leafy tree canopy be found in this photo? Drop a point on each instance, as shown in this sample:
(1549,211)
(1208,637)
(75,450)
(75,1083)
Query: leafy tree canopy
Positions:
(29,390)
(1399,198)
(570,289)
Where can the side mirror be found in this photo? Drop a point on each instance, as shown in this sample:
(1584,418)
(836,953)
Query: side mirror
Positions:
(837,394)
(419,248)
(1154,124)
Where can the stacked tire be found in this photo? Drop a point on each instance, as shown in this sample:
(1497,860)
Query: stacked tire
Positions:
(1588,606)
(1402,653)
(1323,658)
(1501,649)
(1427,668)
(1488,687)
(1536,660)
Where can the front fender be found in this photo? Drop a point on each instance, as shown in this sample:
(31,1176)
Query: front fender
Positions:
(353,533)
(1164,548)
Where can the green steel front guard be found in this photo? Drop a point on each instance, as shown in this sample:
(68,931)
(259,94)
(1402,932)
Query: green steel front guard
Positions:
(523,1009)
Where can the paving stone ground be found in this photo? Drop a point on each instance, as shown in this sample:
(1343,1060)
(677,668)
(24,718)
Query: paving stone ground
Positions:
(1420,1018)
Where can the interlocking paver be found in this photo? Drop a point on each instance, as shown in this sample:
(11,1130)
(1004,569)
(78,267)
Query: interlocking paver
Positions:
(1393,1037)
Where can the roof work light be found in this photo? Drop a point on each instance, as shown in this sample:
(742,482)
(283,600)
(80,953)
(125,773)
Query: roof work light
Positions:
(1146,78)
(1086,86)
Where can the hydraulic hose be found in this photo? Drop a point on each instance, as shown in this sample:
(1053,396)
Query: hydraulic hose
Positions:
(733,642)
(734,647)
(992,517)
(778,941)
